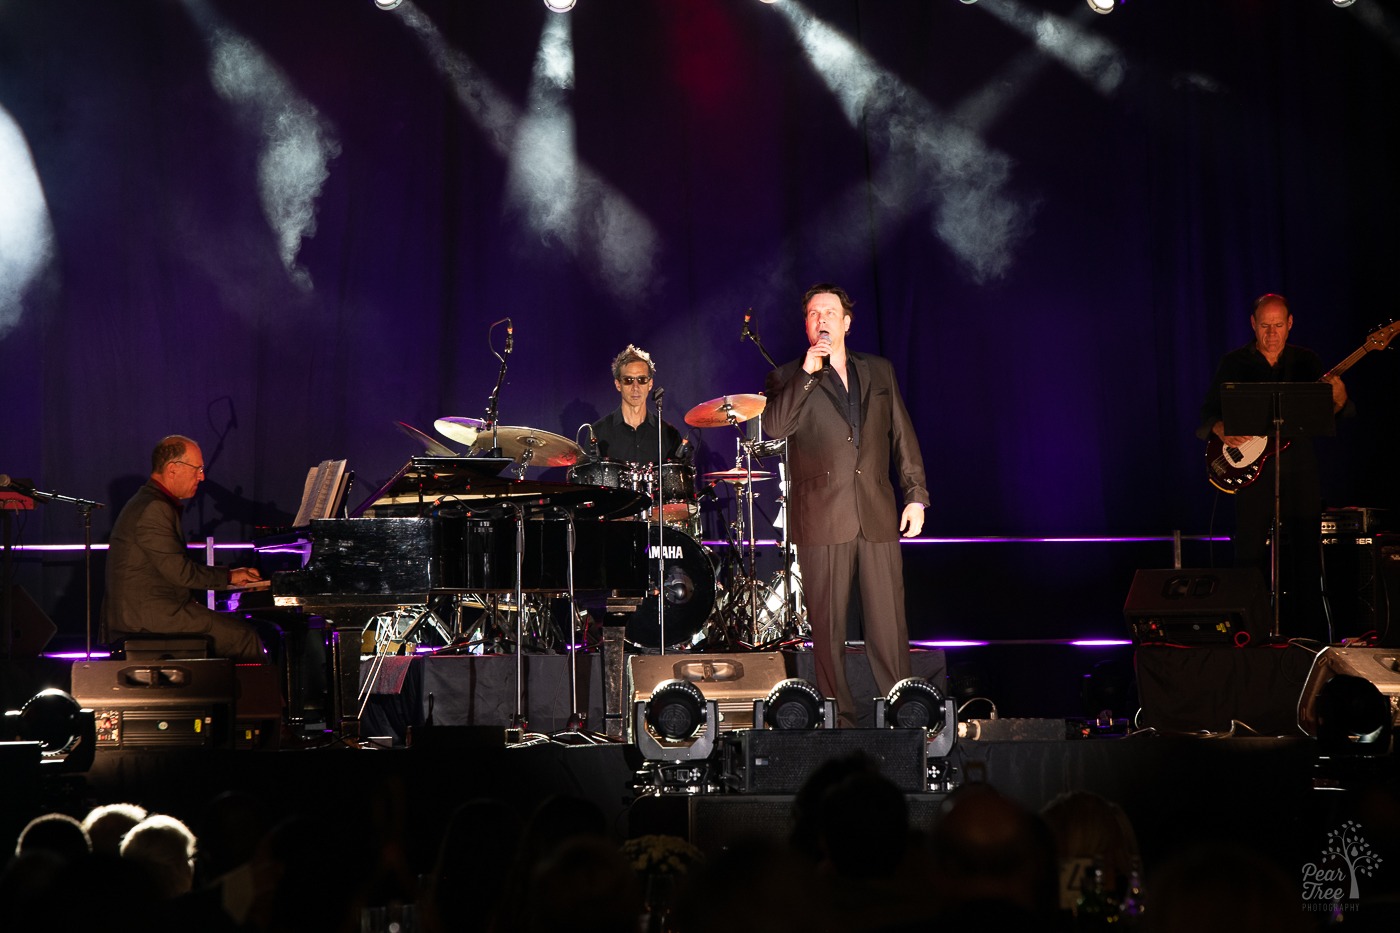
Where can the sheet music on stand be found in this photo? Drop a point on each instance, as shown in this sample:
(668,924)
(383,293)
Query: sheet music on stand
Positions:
(323,493)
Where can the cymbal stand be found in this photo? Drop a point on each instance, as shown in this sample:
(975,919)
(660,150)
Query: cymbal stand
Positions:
(518,725)
(752,548)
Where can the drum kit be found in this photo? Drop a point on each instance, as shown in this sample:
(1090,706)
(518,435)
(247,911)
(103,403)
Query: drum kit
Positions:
(696,597)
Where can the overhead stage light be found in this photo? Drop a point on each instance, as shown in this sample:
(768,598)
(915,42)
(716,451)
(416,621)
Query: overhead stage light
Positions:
(1343,2)
(1101,6)
(387,4)
(793,705)
(559,6)
(66,733)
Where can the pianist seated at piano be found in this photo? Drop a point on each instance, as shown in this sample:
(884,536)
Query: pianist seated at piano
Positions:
(150,575)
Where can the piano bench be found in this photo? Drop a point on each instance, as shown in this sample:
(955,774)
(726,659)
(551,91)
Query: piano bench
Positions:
(154,646)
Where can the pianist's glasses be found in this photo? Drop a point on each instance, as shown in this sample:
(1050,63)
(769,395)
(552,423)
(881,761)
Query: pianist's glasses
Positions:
(639,380)
(197,469)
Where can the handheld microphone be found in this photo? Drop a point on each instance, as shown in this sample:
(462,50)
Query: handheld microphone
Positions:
(825,337)
(510,336)
(748,316)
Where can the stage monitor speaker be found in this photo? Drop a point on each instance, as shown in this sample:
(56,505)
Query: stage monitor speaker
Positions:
(31,629)
(1201,607)
(178,703)
(1380,666)
(733,681)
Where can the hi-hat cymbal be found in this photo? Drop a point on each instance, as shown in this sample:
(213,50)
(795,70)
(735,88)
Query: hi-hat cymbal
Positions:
(461,430)
(727,409)
(739,476)
(531,446)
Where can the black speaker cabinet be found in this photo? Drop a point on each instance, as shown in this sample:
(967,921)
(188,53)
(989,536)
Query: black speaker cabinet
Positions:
(720,820)
(1381,666)
(1388,590)
(1202,607)
(762,761)
(153,704)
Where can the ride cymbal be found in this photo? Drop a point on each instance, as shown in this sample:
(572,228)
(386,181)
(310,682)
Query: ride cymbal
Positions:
(727,409)
(531,446)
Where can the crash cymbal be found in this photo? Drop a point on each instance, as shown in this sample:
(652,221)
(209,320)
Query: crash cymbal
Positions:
(531,446)
(739,476)
(727,409)
(461,430)
(430,446)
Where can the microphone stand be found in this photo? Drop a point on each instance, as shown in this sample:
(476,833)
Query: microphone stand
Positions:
(86,507)
(493,402)
(658,509)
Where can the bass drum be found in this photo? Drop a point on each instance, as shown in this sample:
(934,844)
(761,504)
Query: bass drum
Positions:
(688,587)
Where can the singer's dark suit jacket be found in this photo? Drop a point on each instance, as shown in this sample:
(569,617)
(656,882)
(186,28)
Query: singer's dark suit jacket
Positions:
(838,490)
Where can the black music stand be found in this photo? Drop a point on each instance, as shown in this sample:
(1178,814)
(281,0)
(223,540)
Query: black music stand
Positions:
(1277,410)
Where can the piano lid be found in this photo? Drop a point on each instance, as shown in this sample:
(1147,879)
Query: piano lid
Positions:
(425,482)
(426,479)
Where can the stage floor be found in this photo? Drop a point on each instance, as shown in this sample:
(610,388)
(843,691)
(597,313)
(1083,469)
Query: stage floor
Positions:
(1193,772)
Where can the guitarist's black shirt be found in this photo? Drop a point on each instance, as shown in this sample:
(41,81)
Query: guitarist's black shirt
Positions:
(1247,364)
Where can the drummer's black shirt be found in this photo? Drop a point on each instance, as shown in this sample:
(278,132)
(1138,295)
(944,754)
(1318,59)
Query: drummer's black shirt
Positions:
(618,440)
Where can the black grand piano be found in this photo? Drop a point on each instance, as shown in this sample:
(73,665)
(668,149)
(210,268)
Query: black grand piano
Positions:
(446,525)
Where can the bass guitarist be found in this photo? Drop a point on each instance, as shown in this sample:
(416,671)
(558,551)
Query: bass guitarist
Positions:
(1269,357)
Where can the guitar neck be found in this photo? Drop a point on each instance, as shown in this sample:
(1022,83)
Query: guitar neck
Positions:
(1349,362)
(1378,340)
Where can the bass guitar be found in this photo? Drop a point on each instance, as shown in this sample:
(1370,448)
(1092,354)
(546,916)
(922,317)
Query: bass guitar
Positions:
(1230,469)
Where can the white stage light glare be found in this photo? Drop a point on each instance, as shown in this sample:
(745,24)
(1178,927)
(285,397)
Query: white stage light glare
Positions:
(560,6)
(1343,2)
(387,4)
(1101,6)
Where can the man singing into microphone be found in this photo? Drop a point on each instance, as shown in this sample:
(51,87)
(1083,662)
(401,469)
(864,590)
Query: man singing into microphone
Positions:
(845,422)
(630,433)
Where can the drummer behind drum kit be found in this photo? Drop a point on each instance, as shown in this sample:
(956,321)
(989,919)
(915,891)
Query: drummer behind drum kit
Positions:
(708,601)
